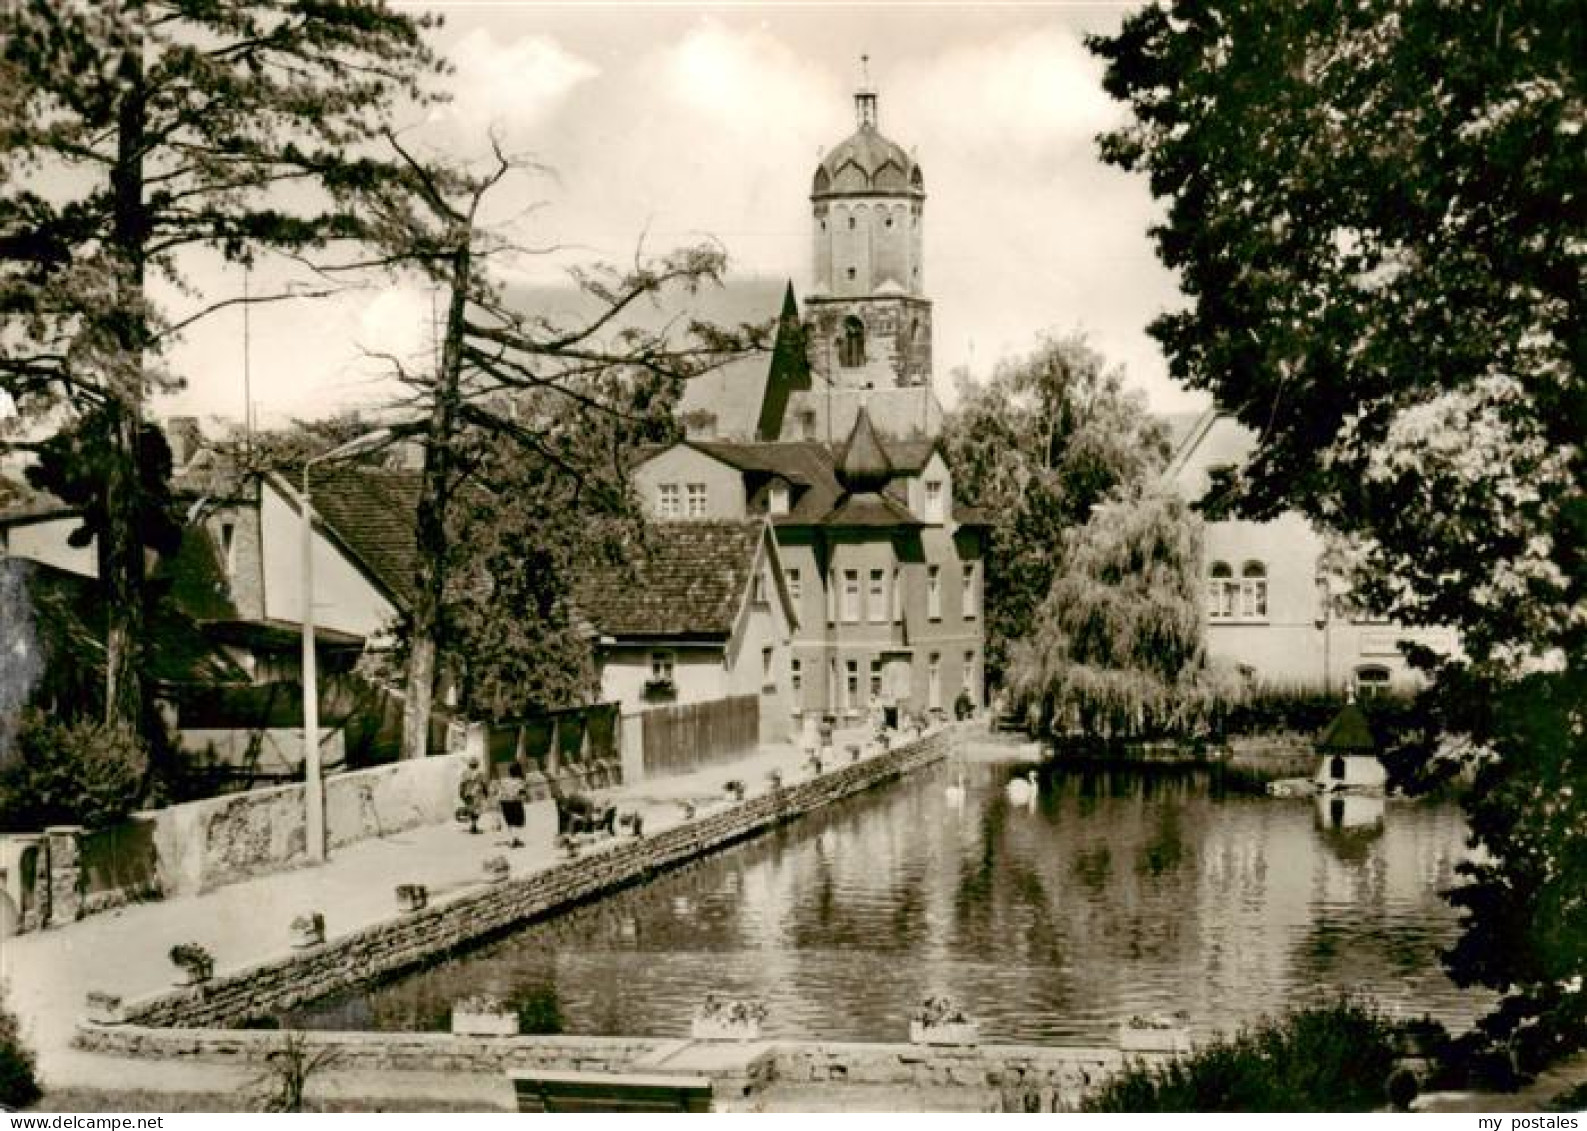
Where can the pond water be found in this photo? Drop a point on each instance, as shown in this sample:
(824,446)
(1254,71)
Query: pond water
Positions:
(1115,893)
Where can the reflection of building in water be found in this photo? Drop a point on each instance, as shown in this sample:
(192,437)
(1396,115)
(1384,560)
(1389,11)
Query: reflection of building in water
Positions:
(1349,812)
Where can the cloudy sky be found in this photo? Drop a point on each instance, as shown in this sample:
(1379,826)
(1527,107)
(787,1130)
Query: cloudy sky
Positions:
(669,123)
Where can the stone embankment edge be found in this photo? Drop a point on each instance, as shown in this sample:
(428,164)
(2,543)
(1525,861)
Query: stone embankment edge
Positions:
(1064,1069)
(407,942)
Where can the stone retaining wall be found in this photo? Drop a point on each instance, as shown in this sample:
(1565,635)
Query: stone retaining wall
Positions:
(452,922)
(1058,1070)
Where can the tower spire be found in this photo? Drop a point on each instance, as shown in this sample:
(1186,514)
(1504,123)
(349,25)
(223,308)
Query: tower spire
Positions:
(865,96)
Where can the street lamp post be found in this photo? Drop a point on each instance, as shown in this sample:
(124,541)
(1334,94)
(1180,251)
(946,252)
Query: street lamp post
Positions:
(313,771)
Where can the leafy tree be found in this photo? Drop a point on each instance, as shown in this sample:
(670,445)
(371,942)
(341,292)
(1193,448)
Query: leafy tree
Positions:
(84,773)
(134,135)
(1036,446)
(19,1077)
(1115,649)
(1376,212)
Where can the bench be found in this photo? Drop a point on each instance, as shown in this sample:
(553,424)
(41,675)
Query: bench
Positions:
(609,1091)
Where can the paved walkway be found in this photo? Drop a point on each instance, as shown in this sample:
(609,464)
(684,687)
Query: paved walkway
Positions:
(125,951)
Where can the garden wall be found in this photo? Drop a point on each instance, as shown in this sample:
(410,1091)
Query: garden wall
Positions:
(474,913)
(199,845)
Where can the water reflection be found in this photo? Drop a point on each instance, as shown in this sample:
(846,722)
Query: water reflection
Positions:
(1113,894)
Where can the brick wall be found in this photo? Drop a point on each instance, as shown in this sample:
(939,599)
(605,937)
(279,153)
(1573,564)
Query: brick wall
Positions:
(460,918)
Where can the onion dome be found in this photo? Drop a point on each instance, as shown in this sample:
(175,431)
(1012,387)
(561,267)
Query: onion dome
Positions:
(866,161)
(864,466)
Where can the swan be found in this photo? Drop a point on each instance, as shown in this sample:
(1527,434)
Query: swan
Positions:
(955,792)
(1023,791)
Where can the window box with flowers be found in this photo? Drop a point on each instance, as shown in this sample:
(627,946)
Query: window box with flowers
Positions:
(412,897)
(308,929)
(940,1021)
(727,1019)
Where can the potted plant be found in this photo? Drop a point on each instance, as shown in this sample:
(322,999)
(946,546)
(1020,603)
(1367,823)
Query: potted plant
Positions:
(496,868)
(938,1020)
(412,897)
(484,1015)
(308,929)
(814,763)
(633,821)
(103,1008)
(1154,1034)
(734,789)
(774,778)
(727,1019)
(194,961)
(688,810)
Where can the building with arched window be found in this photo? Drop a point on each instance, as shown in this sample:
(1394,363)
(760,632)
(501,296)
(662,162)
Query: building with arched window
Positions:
(1269,606)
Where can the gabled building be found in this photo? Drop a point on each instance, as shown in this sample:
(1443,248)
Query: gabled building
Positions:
(835,440)
(1269,609)
(700,612)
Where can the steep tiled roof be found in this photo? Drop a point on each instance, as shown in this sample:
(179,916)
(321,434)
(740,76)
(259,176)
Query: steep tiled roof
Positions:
(870,509)
(371,510)
(687,580)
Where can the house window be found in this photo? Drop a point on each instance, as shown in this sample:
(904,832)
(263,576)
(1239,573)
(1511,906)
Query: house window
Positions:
(934,682)
(696,500)
(934,592)
(969,675)
(777,499)
(807,423)
(228,547)
(758,592)
(832,597)
(851,346)
(1221,591)
(934,494)
(662,668)
(851,683)
(897,594)
(832,681)
(1253,591)
(667,504)
(795,589)
(1372,681)
(877,599)
(796,675)
(851,595)
(876,679)
(765,670)
(969,591)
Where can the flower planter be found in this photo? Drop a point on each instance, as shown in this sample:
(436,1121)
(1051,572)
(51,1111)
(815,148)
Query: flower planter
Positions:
(412,897)
(103,1008)
(193,963)
(946,1033)
(713,1029)
(496,869)
(1159,1039)
(308,930)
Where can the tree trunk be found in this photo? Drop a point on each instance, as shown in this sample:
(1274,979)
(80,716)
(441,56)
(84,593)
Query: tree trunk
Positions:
(120,555)
(430,525)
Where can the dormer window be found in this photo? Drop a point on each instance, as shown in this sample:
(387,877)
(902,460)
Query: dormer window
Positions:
(777,499)
(228,547)
(936,501)
(668,501)
(696,500)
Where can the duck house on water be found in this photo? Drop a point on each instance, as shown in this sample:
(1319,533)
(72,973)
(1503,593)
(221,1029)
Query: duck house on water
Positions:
(1348,755)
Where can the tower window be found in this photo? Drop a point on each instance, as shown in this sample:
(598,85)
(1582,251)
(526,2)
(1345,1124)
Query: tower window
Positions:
(851,223)
(851,346)
(889,221)
(851,272)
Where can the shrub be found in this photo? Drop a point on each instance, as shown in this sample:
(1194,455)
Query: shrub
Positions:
(19,1083)
(1328,1058)
(79,774)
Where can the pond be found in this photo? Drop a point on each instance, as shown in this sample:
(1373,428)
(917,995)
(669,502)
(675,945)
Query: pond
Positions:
(1113,893)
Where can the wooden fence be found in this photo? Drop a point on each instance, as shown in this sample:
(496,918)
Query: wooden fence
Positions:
(683,738)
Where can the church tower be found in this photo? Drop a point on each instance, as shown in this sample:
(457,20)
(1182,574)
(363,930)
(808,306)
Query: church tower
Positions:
(869,322)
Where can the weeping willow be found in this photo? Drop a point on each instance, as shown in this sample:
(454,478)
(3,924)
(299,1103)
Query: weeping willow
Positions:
(1116,648)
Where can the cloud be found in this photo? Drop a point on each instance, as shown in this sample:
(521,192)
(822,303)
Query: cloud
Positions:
(513,87)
